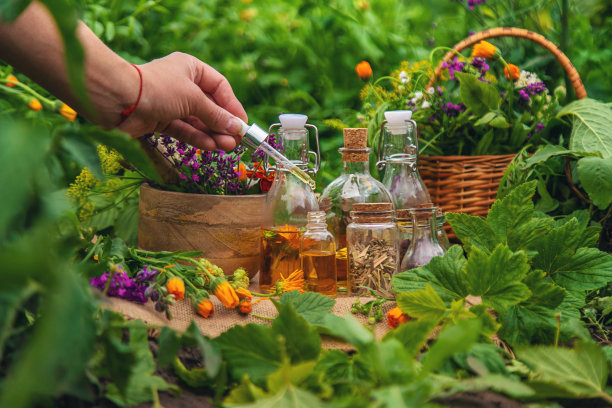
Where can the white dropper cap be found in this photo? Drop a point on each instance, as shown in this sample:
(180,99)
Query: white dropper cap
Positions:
(292,121)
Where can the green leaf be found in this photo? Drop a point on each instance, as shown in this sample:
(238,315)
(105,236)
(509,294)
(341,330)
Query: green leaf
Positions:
(502,384)
(289,397)
(252,350)
(559,372)
(544,291)
(210,353)
(442,273)
(557,247)
(350,330)
(592,121)
(473,231)
(412,335)
(596,177)
(412,395)
(488,117)
(458,338)
(527,324)
(497,277)
(169,344)
(423,304)
(513,210)
(544,153)
(478,96)
(588,269)
(310,305)
(341,367)
(302,341)
(499,122)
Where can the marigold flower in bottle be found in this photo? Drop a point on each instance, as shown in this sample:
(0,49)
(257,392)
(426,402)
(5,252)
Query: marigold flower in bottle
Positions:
(67,112)
(205,308)
(485,50)
(176,287)
(35,104)
(245,306)
(395,317)
(224,292)
(10,81)
(364,70)
(512,72)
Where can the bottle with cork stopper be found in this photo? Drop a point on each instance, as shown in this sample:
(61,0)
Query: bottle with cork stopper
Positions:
(354,185)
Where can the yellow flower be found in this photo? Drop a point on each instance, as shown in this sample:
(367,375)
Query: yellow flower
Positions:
(245,306)
(176,287)
(364,70)
(10,81)
(295,281)
(67,112)
(109,159)
(84,182)
(485,50)
(244,293)
(512,72)
(35,105)
(205,308)
(395,317)
(224,292)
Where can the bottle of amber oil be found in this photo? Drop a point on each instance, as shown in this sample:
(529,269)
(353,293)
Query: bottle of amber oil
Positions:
(318,256)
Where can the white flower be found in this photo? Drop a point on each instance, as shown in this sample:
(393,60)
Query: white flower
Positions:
(425,105)
(418,95)
(430,90)
(404,77)
(525,78)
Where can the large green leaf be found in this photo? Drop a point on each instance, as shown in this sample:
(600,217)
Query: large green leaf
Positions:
(596,177)
(478,96)
(442,273)
(410,395)
(513,210)
(559,372)
(497,277)
(423,304)
(412,335)
(288,397)
(592,126)
(301,339)
(310,305)
(555,248)
(473,231)
(588,269)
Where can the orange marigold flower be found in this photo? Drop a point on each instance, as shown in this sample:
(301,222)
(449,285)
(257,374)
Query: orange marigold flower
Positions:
(243,171)
(176,287)
(205,308)
(364,70)
(35,105)
(11,78)
(244,293)
(224,292)
(245,306)
(395,317)
(512,72)
(67,112)
(485,50)
(295,281)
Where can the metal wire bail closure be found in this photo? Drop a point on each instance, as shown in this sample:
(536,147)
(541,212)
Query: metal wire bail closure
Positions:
(382,161)
(309,153)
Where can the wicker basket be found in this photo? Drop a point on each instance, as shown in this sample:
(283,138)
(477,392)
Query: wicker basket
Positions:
(468,184)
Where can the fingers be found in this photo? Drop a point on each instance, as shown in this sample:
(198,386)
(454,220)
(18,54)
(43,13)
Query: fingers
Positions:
(196,134)
(216,85)
(214,116)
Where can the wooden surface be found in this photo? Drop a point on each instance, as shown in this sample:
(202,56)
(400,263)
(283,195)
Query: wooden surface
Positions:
(225,228)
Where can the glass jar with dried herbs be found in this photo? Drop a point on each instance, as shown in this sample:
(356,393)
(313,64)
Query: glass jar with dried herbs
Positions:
(318,256)
(373,255)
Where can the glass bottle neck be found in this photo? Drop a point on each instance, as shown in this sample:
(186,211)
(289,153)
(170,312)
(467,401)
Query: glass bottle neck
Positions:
(356,167)
(424,230)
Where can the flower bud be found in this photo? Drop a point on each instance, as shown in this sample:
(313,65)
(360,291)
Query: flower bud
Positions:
(176,287)
(35,104)
(10,81)
(560,93)
(364,70)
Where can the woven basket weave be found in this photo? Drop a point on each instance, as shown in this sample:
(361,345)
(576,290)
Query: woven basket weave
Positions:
(468,184)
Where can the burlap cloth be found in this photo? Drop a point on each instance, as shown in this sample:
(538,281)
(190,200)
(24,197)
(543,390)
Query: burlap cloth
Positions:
(224,319)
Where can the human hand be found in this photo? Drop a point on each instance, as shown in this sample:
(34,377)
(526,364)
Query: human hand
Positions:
(185,98)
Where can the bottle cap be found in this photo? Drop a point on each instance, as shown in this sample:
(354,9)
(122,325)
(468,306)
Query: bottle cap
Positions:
(291,122)
(396,120)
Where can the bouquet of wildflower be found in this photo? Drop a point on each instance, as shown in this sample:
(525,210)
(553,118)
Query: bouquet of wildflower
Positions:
(235,173)
(480,104)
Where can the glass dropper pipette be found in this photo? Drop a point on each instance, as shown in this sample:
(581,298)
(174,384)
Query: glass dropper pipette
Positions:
(254,137)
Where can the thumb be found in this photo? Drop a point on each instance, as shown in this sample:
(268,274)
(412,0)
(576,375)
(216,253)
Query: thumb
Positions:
(212,115)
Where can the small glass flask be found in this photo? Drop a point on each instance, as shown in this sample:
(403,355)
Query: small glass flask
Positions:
(442,237)
(398,153)
(354,185)
(372,239)
(424,244)
(318,256)
(404,225)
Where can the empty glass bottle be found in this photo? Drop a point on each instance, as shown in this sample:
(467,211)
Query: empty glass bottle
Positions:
(318,256)
(354,185)
(424,244)
(286,207)
(398,152)
(372,248)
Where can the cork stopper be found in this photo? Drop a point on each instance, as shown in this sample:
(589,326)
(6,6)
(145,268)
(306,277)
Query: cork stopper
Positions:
(425,205)
(403,214)
(372,207)
(355,138)
(325,204)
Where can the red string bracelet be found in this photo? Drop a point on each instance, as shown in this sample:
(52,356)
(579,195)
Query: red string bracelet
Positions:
(127,112)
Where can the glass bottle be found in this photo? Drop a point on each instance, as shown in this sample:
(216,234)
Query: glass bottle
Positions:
(424,244)
(354,185)
(441,234)
(318,256)
(404,225)
(372,239)
(286,207)
(398,152)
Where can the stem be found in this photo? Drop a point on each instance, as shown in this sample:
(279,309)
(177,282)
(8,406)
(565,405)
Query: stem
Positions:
(262,317)
(558,332)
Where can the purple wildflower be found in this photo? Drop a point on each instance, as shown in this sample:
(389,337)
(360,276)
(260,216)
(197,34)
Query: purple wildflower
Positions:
(123,286)
(481,65)
(453,110)
(536,88)
(472,3)
(454,66)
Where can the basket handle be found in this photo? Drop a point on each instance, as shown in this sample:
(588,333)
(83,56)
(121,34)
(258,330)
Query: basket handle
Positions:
(522,33)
